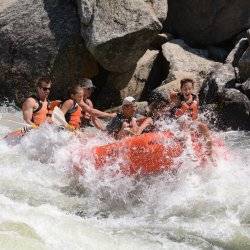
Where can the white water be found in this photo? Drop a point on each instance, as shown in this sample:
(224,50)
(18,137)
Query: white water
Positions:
(43,207)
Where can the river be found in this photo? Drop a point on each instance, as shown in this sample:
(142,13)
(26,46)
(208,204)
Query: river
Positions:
(44,207)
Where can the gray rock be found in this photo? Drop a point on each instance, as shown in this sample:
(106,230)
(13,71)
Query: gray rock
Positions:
(217,53)
(133,83)
(235,55)
(118,32)
(234,110)
(244,65)
(248,35)
(39,37)
(160,39)
(221,77)
(245,88)
(207,21)
(183,58)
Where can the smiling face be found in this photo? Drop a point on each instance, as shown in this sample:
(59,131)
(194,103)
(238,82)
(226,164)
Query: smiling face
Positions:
(187,89)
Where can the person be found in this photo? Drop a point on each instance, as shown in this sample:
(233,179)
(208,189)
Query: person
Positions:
(73,107)
(35,107)
(87,118)
(125,123)
(186,102)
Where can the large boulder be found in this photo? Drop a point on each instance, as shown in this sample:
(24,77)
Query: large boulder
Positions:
(235,55)
(182,58)
(208,22)
(133,83)
(234,110)
(244,65)
(220,78)
(119,32)
(245,88)
(40,37)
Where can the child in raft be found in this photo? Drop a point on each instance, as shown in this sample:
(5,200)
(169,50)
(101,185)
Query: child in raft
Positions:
(73,107)
(186,103)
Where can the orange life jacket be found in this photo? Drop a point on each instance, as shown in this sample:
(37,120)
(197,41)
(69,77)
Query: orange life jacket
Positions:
(52,105)
(73,116)
(39,115)
(190,109)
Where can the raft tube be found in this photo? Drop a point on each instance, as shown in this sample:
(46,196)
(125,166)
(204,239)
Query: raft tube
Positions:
(144,154)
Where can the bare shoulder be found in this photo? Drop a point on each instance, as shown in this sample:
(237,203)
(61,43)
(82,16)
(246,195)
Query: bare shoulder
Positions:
(29,103)
(68,103)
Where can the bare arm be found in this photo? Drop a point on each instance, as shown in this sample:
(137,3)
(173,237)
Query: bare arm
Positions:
(67,106)
(28,106)
(98,123)
(95,112)
(148,122)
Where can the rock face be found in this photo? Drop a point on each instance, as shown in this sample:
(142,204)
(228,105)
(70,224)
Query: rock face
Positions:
(235,55)
(207,22)
(133,83)
(39,37)
(245,88)
(118,33)
(183,58)
(235,110)
(221,77)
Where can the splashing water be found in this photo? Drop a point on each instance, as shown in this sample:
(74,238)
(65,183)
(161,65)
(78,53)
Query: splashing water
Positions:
(43,206)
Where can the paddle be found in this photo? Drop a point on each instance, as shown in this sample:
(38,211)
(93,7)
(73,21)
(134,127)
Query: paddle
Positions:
(58,118)
(12,121)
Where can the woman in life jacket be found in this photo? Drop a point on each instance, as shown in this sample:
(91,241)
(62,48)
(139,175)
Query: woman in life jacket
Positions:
(186,103)
(71,107)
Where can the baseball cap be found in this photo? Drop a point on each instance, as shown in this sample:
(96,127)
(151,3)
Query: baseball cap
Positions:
(86,83)
(128,100)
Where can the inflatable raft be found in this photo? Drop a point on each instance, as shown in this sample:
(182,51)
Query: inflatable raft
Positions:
(145,154)
(151,153)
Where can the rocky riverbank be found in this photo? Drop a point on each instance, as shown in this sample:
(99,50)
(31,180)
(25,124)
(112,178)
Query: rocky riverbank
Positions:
(130,47)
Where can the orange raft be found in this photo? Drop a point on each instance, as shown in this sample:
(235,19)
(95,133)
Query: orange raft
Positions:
(145,154)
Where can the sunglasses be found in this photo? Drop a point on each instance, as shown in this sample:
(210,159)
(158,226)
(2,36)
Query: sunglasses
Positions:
(45,89)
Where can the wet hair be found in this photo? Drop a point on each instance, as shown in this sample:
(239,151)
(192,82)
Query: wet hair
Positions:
(186,80)
(43,79)
(74,89)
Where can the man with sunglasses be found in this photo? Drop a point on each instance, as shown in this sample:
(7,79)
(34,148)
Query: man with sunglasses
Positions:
(35,108)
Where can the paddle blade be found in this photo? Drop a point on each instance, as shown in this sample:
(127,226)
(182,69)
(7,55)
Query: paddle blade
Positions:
(12,121)
(58,117)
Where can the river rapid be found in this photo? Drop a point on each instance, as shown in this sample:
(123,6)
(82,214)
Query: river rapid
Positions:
(44,206)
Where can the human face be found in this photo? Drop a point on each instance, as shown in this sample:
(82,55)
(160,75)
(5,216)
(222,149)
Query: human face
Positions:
(44,90)
(78,96)
(187,89)
(129,110)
